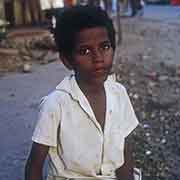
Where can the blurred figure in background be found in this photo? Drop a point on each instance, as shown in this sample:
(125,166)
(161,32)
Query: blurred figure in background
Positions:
(127,7)
(51,9)
(137,7)
(130,7)
(69,3)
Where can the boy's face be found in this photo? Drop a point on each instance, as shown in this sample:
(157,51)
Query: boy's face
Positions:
(93,55)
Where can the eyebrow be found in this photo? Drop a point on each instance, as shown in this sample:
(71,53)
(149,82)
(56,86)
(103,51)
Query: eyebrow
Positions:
(107,41)
(84,45)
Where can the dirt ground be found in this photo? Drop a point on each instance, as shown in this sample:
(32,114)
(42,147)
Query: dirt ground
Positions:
(147,63)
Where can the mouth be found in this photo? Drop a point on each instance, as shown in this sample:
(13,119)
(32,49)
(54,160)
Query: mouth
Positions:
(100,72)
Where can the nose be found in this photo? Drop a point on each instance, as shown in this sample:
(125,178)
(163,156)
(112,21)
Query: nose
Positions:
(98,56)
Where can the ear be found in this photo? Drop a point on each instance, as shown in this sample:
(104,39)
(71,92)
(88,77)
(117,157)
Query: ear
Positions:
(66,62)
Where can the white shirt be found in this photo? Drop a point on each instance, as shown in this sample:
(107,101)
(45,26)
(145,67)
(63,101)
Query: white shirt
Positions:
(48,4)
(78,146)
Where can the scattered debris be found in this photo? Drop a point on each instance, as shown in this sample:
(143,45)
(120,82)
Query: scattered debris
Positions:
(28,46)
(27,68)
(148,65)
(155,96)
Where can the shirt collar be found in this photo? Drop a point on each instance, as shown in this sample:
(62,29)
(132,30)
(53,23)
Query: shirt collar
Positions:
(69,85)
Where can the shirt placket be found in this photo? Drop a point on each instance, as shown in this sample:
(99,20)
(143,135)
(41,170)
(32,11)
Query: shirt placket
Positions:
(85,106)
(108,121)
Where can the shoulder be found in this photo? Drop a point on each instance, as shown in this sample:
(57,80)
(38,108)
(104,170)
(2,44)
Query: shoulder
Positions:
(51,102)
(58,95)
(116,87)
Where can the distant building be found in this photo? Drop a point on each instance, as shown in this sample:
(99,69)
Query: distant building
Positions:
(48,4)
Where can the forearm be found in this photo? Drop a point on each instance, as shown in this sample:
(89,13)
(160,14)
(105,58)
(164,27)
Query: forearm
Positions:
(33,173)
(35,162)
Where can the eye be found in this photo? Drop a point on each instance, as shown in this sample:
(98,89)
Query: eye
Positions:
(106,46)
(84,51)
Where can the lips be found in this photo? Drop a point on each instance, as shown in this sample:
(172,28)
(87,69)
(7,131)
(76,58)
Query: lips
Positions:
(100,72)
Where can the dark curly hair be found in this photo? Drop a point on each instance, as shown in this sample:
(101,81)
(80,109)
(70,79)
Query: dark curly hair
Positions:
(72,20)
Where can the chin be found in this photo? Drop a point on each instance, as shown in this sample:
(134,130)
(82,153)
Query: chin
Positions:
(100,80)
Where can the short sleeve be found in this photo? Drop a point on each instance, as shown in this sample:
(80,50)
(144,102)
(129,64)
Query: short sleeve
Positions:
(48,121)
(130,121)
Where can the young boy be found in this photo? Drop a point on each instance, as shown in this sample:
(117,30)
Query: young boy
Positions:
(84,123)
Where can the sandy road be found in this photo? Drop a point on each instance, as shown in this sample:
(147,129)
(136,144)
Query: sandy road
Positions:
(19,97)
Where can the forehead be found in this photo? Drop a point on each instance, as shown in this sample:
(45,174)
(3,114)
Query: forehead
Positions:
(92,35)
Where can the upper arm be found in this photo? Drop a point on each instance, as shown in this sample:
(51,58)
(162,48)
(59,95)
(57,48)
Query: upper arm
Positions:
(49,117)
(35,162)
(38,154)
(44,136)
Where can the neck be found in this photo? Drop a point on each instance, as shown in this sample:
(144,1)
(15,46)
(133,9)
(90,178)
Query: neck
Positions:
(90,88)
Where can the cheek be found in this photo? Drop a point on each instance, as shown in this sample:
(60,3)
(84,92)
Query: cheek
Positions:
(109,59)
(83,64)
